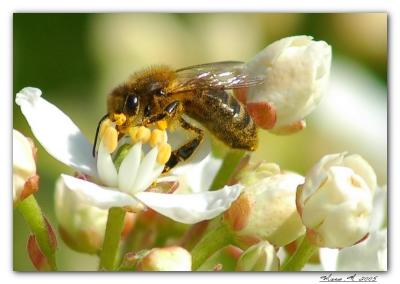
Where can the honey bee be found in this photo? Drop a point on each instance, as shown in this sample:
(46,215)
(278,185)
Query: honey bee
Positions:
(199,92)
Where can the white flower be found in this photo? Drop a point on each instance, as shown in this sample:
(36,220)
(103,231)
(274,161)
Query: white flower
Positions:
(124,187)
(335,201)
(266,210)
(297,72)
(368,255)
(259,257)
(25,179)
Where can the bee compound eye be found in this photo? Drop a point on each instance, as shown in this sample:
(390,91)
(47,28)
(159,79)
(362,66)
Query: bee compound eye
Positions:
(132,104)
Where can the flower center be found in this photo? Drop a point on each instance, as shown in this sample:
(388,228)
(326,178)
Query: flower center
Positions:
(131,160)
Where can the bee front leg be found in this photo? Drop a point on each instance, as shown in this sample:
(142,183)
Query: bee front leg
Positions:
(185,151)
(169,111)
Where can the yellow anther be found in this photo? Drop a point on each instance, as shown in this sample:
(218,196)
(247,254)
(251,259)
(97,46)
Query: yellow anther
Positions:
(162,124)
(164,153)
(157,137)
(110,139)
(140,134)
(132,131)
(119,118)
(104,125)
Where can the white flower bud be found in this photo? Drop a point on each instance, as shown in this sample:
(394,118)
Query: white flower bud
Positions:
(165,259)
(297,72)
(25,180)
(335,201)
(259,257)
(81,226)
(266,210)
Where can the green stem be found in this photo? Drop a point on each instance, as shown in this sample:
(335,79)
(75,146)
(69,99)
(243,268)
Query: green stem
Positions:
(209,244)
(231,160)
(301,256)
(33,215)
(115,224)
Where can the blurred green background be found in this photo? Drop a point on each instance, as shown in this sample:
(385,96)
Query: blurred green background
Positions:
(76,59)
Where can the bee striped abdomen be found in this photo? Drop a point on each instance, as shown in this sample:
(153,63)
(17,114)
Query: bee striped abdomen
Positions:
(225,117)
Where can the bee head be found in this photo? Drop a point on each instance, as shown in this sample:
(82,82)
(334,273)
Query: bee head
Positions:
(123,100)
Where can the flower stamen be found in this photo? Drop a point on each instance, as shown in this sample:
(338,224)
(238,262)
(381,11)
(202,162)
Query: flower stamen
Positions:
(164,153)
(157,137)
(119,118)
(139,134)
(162,124)
(110,139)
(104,125)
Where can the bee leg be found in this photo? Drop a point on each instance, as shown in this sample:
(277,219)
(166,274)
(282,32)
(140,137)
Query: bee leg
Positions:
(169,111)
(185,151)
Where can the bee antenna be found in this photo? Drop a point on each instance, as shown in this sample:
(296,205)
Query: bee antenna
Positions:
(97,134)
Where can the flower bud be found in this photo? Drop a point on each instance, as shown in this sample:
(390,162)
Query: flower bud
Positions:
(251,173)
(297,72)
(39,260)
(266,210)
(25,179)
(165,259)
(82,226)
(335,202)
(259,257)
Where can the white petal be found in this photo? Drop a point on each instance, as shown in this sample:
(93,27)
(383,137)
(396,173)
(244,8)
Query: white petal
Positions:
(199,176)
(106,168)
(102,197)
(56,132)
(145,172)
(129,167)
(23,159)
(191,208)
(379,209)
(369,255)
(328,258)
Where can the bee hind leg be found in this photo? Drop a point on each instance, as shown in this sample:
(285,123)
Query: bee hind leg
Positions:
(185,151)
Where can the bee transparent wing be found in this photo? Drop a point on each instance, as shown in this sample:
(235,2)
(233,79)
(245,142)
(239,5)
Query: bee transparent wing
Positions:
(218,75)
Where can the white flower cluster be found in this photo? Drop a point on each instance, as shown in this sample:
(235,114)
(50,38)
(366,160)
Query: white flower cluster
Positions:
(333,205)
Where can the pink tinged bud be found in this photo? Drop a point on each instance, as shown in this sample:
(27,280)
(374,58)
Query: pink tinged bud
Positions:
(166,259)
(241,94)
(38,259)
(262,113)
(296,73)
(25,179)
(224,259)
(266,209)
(290,129)
(31,186)
(335,202)
(237,216)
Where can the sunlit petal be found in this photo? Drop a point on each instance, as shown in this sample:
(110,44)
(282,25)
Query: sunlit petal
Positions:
(369,255)
(56,132)
(191,208)
(106,168)
(102,197)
